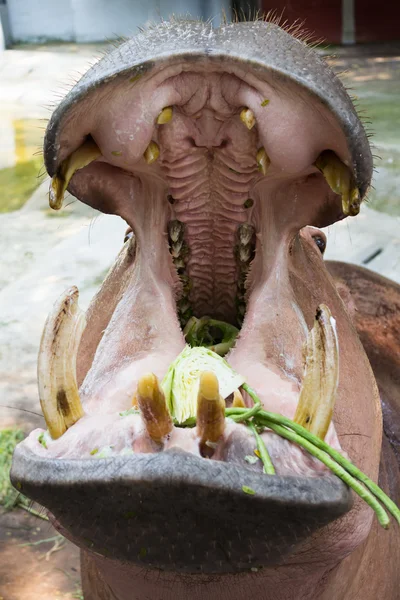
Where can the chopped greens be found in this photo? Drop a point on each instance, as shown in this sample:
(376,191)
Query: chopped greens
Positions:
(42,441)
(181,383)
(248,490)
(251,459)
(130,411)
(217,336)
(336,462)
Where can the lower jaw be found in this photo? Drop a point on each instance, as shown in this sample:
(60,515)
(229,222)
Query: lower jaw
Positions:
(149,340)
(163,505)
(176,512)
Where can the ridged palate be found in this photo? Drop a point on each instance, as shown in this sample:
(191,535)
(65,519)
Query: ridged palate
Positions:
(210,189)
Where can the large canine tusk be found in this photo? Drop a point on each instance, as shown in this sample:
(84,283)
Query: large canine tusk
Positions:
(58,389)
(321,375)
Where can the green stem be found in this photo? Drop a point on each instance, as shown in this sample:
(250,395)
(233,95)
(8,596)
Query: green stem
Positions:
(339,458)
(264,454)
(242,414)
(333,466)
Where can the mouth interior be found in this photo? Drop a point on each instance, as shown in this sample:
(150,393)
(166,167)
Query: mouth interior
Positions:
(216,210)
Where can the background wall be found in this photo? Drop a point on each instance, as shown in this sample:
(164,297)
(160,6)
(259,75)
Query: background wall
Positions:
(97,20)
(342,21)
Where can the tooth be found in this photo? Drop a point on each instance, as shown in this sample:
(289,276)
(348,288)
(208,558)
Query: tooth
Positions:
(238,401)
(210,413)
(321,375)
(183,305)
(82,157)
(241,309)
(58,389)
(186,284)
(176,249)
(165,115)
(245,232)
(244,253)
(263,161)
(179,263)
(155,413)
(151,153)
(247,117)
(341,181)
(175,230)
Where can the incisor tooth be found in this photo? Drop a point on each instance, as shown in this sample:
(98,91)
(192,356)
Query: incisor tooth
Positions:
(263,161)
(58,389)
(341,181)
(165,115)
(151,153)
(247,117)
(210,413)
(321,375)
(82,157)
(155,413)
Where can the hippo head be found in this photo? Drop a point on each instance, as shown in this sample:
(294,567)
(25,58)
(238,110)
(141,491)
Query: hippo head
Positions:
(225,151)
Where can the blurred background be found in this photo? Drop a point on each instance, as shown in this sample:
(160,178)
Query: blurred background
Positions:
(45,45)
(336,21)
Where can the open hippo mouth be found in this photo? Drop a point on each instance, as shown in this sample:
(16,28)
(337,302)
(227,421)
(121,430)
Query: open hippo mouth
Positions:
(224,150)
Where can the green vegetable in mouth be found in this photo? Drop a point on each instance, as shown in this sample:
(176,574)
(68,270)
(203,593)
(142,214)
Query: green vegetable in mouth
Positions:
(42,441)
(214,335)
(248,490)
(338,464)
(181,385)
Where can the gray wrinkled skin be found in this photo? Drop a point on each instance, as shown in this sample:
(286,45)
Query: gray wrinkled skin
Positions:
(159,501)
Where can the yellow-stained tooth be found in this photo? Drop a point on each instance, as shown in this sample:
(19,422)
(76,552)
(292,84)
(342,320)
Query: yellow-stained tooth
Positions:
(155,413)
(210,413)
(58,389)
(263,161)
(82,157)
(341,181)
(247,117)
(151,153)
(321,374)
(238,401)
(165,115)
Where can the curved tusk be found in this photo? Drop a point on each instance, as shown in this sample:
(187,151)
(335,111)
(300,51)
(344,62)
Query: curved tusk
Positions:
(321,375)
(58,388)
(82,157)
(341,181)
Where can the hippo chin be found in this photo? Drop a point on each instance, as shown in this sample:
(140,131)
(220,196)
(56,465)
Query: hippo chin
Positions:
(224,150)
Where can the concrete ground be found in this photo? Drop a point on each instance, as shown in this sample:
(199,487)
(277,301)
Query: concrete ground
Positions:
(42,255)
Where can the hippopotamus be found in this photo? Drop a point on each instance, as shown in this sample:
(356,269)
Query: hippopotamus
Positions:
(226,151)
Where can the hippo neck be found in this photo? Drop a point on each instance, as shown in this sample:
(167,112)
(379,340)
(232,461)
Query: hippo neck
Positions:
(103,579)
